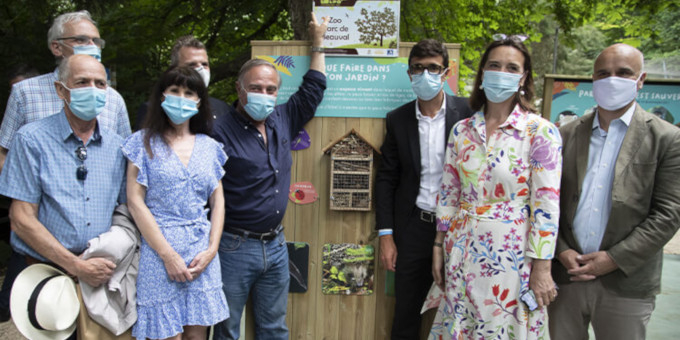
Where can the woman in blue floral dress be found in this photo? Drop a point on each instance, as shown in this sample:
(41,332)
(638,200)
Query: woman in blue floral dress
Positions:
(498,208)
(174,171)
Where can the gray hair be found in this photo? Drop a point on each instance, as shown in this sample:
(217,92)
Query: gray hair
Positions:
(57,29)
(254,63)
(184,41)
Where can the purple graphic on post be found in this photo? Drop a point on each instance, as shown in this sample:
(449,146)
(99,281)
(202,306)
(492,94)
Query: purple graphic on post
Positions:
(301,141)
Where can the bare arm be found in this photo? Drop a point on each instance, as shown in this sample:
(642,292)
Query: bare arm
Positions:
(316,33)
(25,223)
(146,223)
(202,259)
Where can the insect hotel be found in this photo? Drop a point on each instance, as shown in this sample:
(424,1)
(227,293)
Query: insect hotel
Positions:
(351,172)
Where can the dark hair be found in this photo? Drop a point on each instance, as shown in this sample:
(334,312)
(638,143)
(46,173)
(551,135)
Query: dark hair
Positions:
(429,48)
(184,41)
(478,98)
(21,70)
(157,122)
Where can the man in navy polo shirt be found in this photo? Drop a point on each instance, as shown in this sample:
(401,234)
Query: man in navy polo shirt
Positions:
(257,138)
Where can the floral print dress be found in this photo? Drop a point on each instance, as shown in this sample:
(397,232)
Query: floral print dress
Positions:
(499,206)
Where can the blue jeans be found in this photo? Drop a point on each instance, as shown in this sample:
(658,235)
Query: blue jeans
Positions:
(261,267)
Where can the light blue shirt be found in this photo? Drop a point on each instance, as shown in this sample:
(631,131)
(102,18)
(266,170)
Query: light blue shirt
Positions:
(41,169)
(36,98)
(592,213)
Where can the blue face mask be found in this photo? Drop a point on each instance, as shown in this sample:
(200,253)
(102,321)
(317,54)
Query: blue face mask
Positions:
(259,106)
(91,50)
(179,109)
(87,102)
(425,85)
(499,86)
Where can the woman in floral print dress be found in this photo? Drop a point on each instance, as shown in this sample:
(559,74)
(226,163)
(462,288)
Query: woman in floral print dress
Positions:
(498,208)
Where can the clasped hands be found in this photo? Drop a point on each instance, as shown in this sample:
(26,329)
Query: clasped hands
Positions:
(588,266)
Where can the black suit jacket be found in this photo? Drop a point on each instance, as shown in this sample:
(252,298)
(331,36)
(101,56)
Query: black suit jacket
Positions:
(217,107)
(398,179)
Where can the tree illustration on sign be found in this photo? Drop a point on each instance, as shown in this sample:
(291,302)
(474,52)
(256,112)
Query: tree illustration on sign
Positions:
(376,26)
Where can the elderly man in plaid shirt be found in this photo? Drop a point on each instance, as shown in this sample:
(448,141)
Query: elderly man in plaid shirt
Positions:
(35,98)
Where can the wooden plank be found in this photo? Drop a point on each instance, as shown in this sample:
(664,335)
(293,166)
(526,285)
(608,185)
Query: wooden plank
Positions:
(307,230)
(327,309)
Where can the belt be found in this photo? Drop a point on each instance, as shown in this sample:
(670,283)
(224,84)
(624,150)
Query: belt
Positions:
(426,216)
(268,236)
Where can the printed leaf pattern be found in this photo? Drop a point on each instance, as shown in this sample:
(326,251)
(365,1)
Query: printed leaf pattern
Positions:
(499,206)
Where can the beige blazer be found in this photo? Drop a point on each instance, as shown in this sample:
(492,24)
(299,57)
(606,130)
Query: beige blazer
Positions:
(645,211)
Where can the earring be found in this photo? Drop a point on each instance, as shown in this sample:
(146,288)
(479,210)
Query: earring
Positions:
(481,87)
(521,92)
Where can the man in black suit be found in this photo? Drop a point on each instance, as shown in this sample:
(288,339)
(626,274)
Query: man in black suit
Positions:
(190,52)
(409,178)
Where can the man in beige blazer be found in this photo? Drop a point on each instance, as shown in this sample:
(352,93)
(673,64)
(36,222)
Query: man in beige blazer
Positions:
(620,203)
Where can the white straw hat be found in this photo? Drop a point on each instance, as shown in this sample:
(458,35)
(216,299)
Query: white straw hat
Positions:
(44,303)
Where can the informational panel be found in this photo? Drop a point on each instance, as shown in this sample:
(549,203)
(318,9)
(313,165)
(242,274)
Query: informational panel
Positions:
(356,87)
(366,28)
(574,97)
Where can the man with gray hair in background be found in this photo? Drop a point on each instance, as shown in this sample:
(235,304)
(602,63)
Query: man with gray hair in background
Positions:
(36,98)
(190,52)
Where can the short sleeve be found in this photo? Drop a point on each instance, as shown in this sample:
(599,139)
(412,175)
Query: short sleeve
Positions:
(14,117)
(20,178)
(135,152)
(220,159)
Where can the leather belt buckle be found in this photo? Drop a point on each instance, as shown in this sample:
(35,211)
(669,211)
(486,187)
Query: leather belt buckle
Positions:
(427,216)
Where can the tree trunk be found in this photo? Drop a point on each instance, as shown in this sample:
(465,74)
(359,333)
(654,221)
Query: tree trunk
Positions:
(300,16)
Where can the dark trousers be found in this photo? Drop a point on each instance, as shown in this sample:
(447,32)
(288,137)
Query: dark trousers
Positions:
(413,275)
(15,265)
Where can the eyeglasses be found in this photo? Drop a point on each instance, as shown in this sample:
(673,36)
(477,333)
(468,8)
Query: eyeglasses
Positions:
(431,69)
(81,154)
(85,40)
(515,37)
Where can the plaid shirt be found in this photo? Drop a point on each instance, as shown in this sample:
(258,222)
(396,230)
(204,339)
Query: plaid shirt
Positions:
(41,169)
(36,98)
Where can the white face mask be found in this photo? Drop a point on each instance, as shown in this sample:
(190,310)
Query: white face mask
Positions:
(613,93)
(205,74)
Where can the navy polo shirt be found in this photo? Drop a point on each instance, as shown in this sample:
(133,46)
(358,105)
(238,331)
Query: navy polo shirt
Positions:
(257,175)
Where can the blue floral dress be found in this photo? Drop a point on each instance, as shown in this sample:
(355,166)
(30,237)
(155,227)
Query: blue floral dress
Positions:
(176,195)
(499,206)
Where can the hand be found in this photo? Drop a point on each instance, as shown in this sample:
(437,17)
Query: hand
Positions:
(568,260)
(200,262)
(316,31)
(176,268)
(592,265)
(388,253)
(541,282)
(438,267)
(94,271)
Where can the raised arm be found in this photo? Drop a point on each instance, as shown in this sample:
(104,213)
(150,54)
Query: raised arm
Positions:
(316,33)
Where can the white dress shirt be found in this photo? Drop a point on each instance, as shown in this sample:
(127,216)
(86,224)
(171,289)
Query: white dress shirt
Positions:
(432,136)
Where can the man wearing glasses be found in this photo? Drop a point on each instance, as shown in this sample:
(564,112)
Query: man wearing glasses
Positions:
(409,179)
(65,175)
(36,98)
